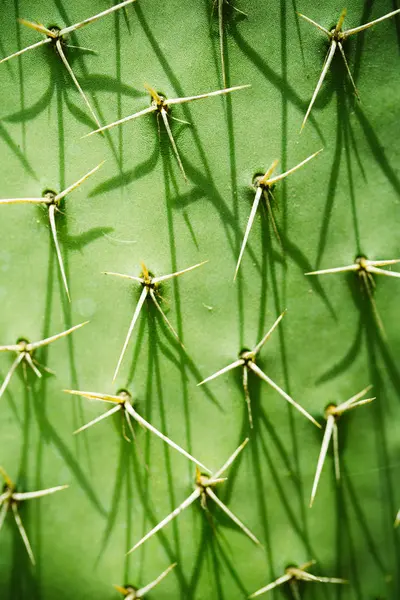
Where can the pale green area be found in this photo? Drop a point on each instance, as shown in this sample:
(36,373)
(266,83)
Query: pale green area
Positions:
(139,208)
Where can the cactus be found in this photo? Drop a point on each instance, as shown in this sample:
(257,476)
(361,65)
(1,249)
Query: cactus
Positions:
(319,241)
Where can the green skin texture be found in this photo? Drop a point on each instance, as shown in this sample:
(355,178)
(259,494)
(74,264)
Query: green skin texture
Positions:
(326,349)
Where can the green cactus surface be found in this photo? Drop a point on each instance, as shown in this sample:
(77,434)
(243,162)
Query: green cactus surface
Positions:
(136,215)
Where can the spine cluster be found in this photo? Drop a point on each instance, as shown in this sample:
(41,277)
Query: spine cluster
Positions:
(206,481)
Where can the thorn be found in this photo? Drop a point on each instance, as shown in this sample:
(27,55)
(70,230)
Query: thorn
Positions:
(332,412)
(328,60)
(294,574)
(138,308)
(264,184)
(140,593)
(233,517)
(76,82)
(336,37)
(104,13)
(160,105)
(145,111)
(54,338)
(202,484)
(236,363)
(56,39)
(371,23)
(52,205)
(284,395)
(25,350)
(148,282)
(11,500)
(129,408)
(78,183)
(397,520)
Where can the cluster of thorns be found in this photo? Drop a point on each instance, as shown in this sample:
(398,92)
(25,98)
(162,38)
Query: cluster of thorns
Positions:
(205,480)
